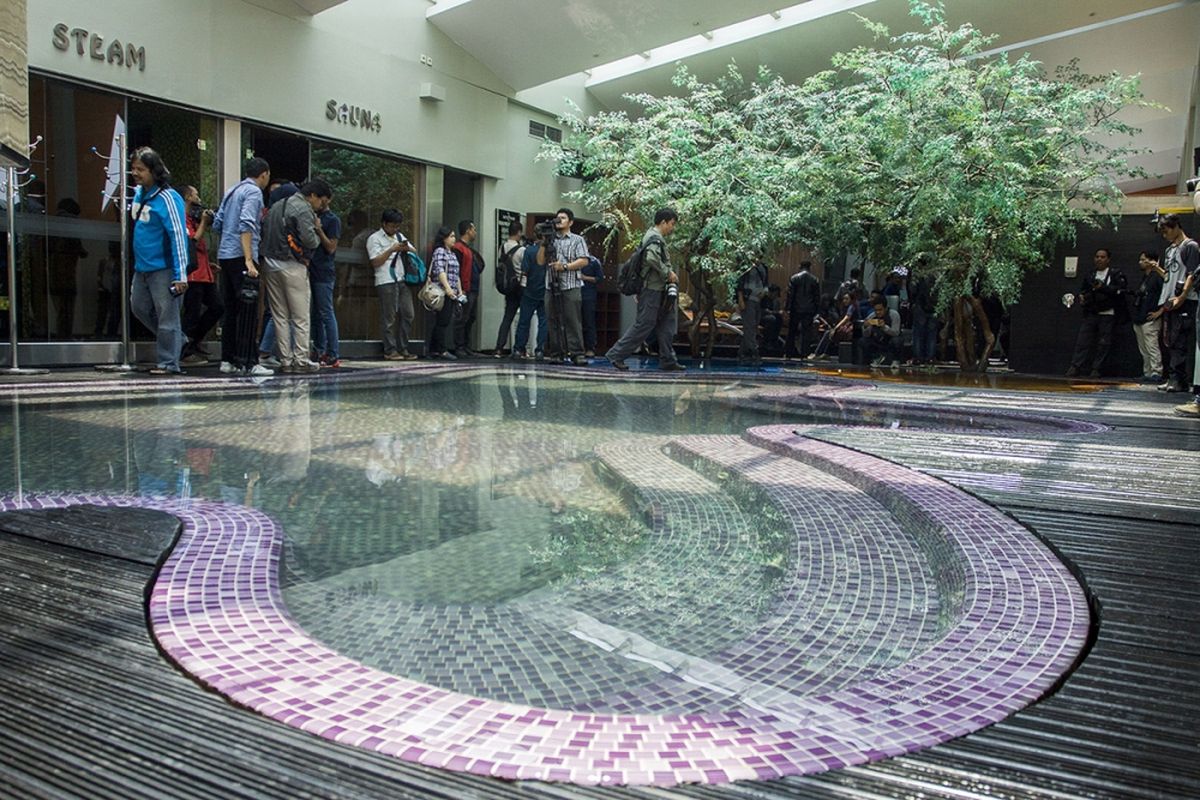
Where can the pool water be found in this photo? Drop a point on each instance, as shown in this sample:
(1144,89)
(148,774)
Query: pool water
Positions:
(515,536)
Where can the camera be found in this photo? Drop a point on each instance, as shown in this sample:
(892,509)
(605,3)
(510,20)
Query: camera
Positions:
(462,298)
(1191,183)
(198,212)
(672,290)
(544,230)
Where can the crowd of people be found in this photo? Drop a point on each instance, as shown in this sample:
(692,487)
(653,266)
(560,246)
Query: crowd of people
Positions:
(276,243)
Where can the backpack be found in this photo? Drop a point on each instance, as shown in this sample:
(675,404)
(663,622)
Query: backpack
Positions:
(414,269)
(631,275)
(507,280)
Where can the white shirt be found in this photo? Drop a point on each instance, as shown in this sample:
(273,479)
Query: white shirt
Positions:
(377,244)
(1102,276)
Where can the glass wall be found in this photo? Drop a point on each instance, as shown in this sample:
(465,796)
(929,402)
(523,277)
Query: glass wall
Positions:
(364,185)
(68,268)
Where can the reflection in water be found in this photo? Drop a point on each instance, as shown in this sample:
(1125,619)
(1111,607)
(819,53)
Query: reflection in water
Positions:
(464,531)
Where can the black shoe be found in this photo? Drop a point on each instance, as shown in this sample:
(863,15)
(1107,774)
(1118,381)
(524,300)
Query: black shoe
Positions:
(1094,373)
(445,356)
(1072,372)
(619,364)
(676,367)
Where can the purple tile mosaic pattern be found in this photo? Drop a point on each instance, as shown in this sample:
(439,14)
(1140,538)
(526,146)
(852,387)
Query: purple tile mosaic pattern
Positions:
(216,609)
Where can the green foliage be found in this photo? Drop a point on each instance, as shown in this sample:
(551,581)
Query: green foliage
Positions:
(914,150)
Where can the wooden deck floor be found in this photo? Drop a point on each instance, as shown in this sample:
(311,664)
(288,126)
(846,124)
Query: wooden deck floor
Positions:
(89,708)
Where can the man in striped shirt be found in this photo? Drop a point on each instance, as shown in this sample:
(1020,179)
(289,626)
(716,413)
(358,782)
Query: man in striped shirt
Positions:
(564,281)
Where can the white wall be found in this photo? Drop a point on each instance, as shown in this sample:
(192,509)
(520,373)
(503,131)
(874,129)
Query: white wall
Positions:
(240,60)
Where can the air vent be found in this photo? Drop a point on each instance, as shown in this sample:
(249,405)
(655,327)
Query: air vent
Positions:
(539,130)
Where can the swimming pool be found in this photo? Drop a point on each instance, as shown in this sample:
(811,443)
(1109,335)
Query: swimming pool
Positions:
(630,556)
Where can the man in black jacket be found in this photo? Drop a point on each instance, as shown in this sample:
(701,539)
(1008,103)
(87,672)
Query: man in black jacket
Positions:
(803,302)
(1098,297)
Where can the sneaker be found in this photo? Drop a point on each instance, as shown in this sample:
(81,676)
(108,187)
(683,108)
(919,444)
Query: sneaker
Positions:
(228,369)
(619,364)
(393,356)
(464,353)
(1165,386)
(334,364)
(258,371)
(307,366)
(408,356)
(675,367)
(194,359)
(1173,388)
(270,361)
(579,361)
(590,354)
(1191,409)
(444,356)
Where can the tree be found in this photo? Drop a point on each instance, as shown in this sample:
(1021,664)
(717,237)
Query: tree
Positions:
(920,151)
(696,152)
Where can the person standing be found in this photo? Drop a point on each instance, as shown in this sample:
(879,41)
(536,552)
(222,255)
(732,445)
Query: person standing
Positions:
(565,303)
(202,306)
(803,301)
(1098,297)
(289,239)
(321,277)
(509,283)
(533,301)
(593,276)
(238,222)
(751,288)
(159,257)
(445,269)
(385,249)
(471,267)
(656,310)
(1147,316)
(1178,301)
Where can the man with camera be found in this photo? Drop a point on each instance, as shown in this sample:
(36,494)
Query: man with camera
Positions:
(1178,302)
(565,254)
(881,334)
(202,307)
(1098,297)
(656,302)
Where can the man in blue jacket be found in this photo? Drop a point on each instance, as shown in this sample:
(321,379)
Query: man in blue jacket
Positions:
(160,257)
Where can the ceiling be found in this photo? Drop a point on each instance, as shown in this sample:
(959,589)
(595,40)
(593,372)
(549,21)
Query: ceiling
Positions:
(1156,38)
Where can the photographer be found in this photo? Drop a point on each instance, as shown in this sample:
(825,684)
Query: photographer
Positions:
(202,306)
(566,254)
(656,302)
(1098,297)
(750,290)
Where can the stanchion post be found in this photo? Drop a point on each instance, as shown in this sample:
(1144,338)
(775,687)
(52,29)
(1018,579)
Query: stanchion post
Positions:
(10,192)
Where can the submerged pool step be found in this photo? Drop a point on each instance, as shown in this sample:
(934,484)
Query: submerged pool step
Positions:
(852,594)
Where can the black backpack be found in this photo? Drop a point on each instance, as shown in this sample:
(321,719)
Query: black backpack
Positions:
(507,280)
(631,276)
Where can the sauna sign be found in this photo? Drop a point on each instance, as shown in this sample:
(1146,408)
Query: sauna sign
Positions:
(355,116)
(90,43)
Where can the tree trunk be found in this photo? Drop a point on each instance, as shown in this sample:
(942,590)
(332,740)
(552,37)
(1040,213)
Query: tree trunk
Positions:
(969,309)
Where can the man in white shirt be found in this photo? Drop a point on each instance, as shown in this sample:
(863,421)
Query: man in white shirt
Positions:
(385,251)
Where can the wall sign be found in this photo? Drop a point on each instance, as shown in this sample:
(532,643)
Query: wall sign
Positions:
(354,116)
(92,44)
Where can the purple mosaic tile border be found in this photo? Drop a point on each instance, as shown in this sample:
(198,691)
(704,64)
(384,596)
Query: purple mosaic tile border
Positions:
(217,610)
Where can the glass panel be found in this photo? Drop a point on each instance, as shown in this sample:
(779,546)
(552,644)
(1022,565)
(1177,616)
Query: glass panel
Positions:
(364,186)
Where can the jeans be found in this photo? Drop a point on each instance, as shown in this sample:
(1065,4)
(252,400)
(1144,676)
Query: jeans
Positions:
(201,309)
(440,325)
(324,322)
(465,321)
(529,307)
(748,348)
(395,316)
(589,321)
(512,305)
(800,324)
(652,316)
(925,331)
(153,304)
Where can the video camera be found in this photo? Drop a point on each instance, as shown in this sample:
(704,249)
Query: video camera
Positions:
(544,229)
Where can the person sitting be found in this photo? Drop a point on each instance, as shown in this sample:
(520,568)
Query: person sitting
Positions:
(881,335)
